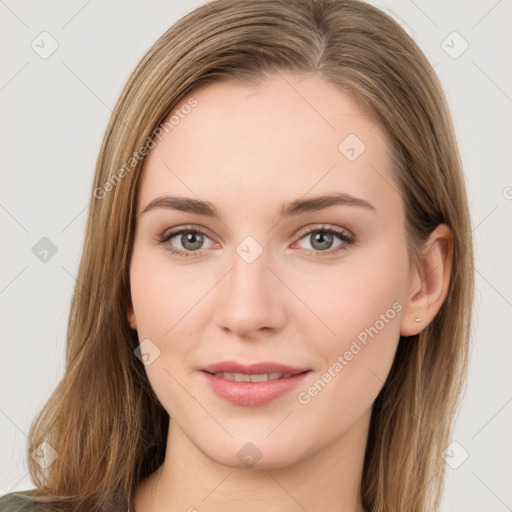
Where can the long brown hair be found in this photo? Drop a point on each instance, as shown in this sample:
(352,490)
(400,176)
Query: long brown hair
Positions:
(103,420)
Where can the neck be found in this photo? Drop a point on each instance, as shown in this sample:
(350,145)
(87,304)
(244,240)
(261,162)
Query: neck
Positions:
(190,481)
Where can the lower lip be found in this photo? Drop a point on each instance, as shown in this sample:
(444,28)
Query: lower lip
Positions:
(253,394)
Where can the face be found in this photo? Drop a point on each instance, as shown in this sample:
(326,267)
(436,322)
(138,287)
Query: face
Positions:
(308,291)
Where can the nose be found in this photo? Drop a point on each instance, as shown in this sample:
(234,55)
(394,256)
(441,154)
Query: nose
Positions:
(251,298)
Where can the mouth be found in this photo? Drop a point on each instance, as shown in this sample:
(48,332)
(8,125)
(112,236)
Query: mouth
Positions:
(257,377)
(252,385)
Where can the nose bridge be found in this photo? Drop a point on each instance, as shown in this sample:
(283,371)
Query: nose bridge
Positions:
(249,268)
(250,275)
(251,296)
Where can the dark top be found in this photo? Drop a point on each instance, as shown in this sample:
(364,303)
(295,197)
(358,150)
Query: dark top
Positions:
(17,502)
(20,501)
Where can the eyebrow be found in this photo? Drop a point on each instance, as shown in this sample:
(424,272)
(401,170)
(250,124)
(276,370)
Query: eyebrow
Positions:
(296,207)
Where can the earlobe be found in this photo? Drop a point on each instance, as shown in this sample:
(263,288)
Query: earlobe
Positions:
(429,282)
(131,317)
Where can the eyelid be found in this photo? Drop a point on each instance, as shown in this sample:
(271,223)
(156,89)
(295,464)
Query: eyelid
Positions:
(171,232)
(325,227)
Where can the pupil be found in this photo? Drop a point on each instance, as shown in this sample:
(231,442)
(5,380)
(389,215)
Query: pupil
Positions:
(194,239)
(323,237)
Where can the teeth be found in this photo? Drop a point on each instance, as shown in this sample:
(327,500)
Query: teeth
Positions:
(242,377)
(264,377)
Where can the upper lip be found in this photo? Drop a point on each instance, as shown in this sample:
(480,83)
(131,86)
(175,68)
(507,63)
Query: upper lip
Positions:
(252,369)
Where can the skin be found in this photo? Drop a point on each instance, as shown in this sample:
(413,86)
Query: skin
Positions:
(248,150)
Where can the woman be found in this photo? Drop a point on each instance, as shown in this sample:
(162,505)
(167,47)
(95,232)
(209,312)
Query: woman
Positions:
(272,309)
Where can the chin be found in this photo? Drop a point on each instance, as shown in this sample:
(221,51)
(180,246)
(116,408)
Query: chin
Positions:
(254,456)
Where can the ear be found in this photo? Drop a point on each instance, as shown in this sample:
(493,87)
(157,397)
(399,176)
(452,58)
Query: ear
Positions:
(429,282)
(131,316)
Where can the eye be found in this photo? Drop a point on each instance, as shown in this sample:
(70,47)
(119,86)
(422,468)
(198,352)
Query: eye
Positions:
(190,239)
(321,239)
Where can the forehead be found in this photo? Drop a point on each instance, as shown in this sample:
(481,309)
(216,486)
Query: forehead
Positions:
(287,136)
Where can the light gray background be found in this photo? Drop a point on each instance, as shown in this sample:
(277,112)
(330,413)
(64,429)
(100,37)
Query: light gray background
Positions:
(54,113)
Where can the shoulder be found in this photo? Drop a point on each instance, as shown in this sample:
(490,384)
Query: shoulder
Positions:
(17,502)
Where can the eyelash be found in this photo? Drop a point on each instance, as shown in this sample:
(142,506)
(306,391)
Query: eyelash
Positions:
(345,237)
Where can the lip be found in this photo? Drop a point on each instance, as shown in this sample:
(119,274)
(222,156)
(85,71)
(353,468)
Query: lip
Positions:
(252,394)
(251,369)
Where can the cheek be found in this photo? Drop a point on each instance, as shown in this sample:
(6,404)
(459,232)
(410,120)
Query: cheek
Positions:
(355,296)
(162,294)
(360,314)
